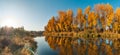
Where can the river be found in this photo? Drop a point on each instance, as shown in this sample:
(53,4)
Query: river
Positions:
(76,46)
(43,47)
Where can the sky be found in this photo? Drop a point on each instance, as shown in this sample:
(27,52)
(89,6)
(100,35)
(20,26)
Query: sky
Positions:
(34,14)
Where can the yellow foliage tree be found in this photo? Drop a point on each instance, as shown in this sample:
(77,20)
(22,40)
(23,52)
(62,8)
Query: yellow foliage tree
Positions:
(117,21)
(87,10)
(51,25)
(105,12)
(81,22)
(92,20)
(69,20)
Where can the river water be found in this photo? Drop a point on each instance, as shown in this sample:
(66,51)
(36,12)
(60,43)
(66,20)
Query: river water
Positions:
(43,47)
(76,46)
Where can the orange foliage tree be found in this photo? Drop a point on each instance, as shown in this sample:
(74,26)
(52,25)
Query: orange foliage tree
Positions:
(106,15)
(81,22)
(116,23)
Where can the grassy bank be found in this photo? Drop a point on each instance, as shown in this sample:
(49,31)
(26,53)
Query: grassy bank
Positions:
(15,45)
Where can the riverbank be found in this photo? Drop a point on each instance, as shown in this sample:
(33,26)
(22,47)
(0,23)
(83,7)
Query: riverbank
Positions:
(17,41)
(109,35)
(16,45)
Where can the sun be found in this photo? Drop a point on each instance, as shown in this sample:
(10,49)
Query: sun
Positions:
(9,22)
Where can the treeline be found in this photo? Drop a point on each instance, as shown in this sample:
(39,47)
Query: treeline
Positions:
(20,31)
(10,31)
(101,18)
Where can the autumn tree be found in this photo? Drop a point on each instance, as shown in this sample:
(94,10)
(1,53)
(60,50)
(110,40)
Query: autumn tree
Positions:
(87,10)
(51,25)
(87,13)
(110,15)
(81,22)
(61,18)
(69,20)
(116,20)
(106,15)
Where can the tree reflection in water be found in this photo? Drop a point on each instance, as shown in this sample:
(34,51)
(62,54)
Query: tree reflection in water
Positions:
(79,46)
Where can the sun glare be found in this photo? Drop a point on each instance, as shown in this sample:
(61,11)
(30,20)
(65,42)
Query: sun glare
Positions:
(9,22)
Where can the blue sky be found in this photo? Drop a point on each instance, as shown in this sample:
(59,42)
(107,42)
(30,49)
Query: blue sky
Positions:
(34,14)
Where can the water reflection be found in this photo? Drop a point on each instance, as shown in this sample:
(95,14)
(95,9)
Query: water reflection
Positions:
(43,47)
(80,46)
